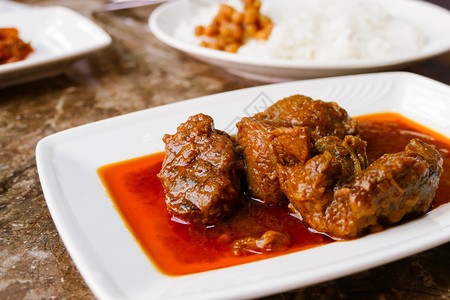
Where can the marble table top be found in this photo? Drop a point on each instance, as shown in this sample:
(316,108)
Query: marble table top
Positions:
(132,75)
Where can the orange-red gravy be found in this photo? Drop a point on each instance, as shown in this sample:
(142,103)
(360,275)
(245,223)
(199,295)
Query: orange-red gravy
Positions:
(178,248)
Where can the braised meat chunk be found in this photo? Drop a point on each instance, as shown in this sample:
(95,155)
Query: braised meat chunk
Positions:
(200,172)
(255,138)
(296,123)
(270,241)
(322,118)
(390,188)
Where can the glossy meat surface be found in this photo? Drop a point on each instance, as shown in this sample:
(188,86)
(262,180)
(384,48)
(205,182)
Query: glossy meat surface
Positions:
(200,172)
(390,188)
(295,122)
(255,138)
(270,241)
(349,152)
(322,118)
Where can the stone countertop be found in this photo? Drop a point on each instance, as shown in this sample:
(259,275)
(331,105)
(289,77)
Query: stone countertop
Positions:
(135,73)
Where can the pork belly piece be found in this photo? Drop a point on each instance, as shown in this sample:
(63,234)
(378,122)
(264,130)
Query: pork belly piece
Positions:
(200,172)
(392,187)
(255,139)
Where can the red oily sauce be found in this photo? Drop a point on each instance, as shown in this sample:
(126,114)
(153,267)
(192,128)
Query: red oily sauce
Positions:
(178,249)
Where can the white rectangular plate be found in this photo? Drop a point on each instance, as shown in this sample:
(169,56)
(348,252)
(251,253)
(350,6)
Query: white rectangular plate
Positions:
(113,264)
(58,36)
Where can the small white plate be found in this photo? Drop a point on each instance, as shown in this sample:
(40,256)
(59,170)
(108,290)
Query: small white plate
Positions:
(432,20)
(58,36)
(110,259)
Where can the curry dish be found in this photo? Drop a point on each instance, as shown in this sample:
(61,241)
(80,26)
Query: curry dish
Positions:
(12,48)
(305,151)
(298,175)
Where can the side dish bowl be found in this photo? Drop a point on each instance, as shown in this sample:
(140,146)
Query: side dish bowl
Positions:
(434,22)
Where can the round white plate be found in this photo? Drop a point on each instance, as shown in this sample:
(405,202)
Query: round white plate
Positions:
(432,20)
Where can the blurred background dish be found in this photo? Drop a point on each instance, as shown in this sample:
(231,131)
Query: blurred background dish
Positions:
(58,36)
(434,23)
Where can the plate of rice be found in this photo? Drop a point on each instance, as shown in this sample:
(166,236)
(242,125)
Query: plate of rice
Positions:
(304,38)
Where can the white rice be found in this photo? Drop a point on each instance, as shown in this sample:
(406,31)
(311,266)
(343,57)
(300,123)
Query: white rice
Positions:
(322,30)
